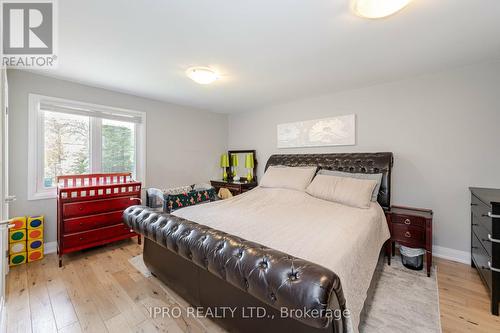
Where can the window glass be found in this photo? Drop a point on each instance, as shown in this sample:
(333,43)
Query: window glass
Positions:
(66,145)
(118,146)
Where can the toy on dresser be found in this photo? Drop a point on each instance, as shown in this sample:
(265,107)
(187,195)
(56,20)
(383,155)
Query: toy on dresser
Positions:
(26,240)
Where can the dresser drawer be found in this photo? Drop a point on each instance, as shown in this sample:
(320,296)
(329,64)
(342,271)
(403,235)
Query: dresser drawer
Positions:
(480,212)
(91,222)
(409,220)
(479,230)
(77,209)
(84,238)
(414,235)
(481,258)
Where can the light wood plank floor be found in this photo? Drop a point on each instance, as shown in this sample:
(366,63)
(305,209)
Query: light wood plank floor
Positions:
(99,291)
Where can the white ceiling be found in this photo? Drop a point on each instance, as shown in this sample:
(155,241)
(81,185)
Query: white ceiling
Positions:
(268,51)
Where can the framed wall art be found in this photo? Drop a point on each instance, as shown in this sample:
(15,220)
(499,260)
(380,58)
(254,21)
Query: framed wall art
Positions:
(332,131)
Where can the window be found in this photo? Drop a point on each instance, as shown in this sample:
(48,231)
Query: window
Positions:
(68,137)
(118,146)
(65,148)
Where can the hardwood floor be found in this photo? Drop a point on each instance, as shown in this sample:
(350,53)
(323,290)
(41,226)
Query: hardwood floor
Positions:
(99,291)
(463,299)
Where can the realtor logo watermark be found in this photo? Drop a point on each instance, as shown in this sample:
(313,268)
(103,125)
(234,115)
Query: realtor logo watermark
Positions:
(28,34)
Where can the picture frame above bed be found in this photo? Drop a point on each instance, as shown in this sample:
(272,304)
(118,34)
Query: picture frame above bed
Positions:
(331,131)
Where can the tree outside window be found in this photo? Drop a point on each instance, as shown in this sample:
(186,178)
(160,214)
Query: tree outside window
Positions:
(118,146)
(66,148)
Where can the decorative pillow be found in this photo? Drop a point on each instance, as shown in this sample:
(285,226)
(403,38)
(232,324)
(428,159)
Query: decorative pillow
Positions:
(347,191)
(176,201)
(295,178)
(202,186)
(177,190)
(372,176)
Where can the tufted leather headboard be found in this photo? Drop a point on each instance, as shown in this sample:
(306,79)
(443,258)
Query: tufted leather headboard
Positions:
(347,162)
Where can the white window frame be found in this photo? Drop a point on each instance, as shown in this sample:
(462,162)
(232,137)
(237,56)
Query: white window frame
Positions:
(36,190)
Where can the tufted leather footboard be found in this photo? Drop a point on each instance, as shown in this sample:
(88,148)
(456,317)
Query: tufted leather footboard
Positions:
(272,277)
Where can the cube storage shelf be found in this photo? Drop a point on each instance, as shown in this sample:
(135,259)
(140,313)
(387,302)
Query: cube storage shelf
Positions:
(26,239)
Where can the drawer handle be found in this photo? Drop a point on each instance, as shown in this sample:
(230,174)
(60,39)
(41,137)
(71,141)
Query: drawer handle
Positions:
(138,199)
(493,269)
(494,240)
(408,234)
(407,221)
(495,216)
(82,238)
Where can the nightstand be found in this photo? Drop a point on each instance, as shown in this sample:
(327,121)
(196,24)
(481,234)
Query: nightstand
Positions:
(411,227)
(236,187)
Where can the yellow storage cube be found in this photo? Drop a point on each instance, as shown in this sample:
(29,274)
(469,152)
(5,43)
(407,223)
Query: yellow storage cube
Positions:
(17,247)
(18,222)
(34,244)
(17,235)
(35,222)
(17,259)
(35,255)
(35,233)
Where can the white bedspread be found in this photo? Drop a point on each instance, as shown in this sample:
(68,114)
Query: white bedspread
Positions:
(343,239)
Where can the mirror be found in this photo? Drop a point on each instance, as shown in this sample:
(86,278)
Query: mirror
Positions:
(242,165)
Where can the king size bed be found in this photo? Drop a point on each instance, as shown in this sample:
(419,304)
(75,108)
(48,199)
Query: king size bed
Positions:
(285,260)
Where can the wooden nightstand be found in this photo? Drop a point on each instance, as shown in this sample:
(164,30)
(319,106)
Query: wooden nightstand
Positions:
(411,227)
(236,187)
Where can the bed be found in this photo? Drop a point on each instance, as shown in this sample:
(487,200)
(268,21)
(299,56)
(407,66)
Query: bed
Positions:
(305,263)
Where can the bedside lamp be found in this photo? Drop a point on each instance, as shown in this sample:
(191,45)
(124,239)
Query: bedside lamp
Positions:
(224,163)
(234,166)
(249,164)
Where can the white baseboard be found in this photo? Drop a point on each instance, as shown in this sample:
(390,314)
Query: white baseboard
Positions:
(50,247)
(451,254)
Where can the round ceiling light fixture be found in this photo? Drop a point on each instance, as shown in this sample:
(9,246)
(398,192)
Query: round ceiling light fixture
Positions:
(202,75)
(375,9)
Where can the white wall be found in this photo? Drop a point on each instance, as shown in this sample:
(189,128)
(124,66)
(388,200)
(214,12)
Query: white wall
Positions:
(183,144)
(444,130)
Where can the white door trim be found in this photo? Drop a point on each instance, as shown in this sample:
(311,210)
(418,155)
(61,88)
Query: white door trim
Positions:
(4,213)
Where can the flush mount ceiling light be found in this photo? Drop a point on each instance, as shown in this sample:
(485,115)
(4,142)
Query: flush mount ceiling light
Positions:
(202,75)
(375,9)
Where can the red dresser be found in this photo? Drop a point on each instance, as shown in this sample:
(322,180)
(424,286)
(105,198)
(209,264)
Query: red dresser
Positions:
(89,210)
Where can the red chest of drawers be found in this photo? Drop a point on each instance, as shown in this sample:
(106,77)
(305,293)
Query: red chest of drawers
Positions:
(90,208)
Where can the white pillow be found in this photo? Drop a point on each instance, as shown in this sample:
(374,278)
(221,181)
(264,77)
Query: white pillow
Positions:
(347,191)
(295,178)
(372,176)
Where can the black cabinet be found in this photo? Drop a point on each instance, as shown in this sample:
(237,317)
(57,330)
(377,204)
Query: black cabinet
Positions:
(485,239)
